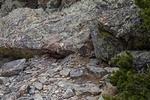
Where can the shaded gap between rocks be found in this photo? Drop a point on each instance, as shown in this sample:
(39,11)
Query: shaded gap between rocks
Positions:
(18,53)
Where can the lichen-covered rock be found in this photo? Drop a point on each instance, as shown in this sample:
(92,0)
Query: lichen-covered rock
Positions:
(105,44)
(111,24)
(59,3)
(67,3)
(32,31)
(97,71)
(118,21)
(141,59)
(53,4)
(7,6)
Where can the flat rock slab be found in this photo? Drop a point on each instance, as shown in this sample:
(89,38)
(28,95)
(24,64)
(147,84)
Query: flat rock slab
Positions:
(76,73)
(12,68)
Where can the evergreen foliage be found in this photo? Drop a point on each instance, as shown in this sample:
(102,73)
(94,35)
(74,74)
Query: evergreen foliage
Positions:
(131,84)
(145,13)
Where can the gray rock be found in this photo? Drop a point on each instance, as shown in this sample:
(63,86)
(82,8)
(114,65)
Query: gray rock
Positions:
(38,85)
(87,88)
(26,98)
(42,80)
(63,84)
(65,32)
(53,4)
(9,97)
(105,47)
(26,32)
(6,6)
(109,90)
(23,89)
(4,89)
(92,98)
(116,30)
(65,72)
(1,93)
(69,93)
(111,69)
(93,62)
(38,97)
(74,98)
(32,90)
(76,73)
(13,68)
(80,89)
(61,33)
(1,81)
(141,59)
(4,60)
(67,3)
(101,98)
(97,71)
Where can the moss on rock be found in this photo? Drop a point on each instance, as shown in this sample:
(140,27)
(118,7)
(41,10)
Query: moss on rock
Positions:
(106,34)
(123,60)
(18,53)
(144,13)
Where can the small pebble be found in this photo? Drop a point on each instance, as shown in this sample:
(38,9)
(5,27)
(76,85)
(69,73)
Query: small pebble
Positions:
(38,85)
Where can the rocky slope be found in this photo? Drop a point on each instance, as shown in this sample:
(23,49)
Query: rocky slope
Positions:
(44,78)
(49,47)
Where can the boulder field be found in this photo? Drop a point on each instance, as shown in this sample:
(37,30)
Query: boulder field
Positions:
(61,49)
